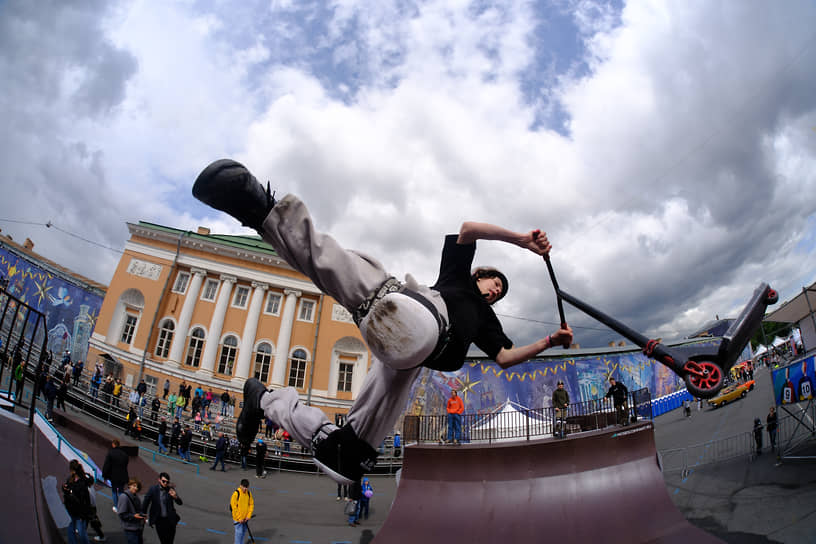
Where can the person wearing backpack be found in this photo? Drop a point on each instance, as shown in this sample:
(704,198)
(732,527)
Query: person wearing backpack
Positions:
(241,505)
(77,501)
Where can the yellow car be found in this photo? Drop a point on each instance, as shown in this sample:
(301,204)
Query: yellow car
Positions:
(731,393)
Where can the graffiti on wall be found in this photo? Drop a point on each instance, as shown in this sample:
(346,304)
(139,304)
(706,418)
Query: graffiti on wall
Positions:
(70,311)
(485,387)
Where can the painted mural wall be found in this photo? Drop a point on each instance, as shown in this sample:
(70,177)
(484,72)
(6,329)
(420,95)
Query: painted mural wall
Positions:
(484,386)
(70,311)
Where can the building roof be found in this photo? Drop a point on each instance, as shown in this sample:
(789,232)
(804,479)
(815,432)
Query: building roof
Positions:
(51,266)
(797,308)
(239,241)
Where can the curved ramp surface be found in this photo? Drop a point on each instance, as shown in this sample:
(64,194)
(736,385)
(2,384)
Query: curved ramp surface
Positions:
(601,486)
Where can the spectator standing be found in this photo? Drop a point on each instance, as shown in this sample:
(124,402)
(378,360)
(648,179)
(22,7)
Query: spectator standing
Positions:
(241,505)
(184,443)
(131,513)
(560,404)
(155,404)
(107,390)
(166,389)
(619,394)
(455,407)
(397,444)
(244,453)
(50,392)
(367,491)
(270,428)
(225,400)
(117,391)
(161,436)
(137,429)
(19,380)
(208,398)
(758,435)
(160,505)
(141,389)
(770,426)
(175,434)
(260,456)
(96,381)
(77,502)
(342,492)
(181,404)
(78,372)
(220,451)
(353,507)
(62,392)
(115,469)
(171,404)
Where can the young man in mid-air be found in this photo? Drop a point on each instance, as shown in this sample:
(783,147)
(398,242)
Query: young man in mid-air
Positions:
(406,325)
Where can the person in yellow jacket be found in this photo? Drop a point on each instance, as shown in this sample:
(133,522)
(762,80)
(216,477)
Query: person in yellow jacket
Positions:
(241,505)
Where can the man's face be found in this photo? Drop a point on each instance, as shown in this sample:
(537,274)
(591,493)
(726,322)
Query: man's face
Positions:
(490,289)
(453,394)
(164,482)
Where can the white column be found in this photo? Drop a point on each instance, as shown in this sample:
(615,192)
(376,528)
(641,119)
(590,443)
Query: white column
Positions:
(216,324)
(284,337)
(180,336)
(250,329)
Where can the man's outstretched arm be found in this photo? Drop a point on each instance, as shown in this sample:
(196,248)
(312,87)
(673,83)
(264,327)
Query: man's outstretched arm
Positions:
(535,240)
(513,356)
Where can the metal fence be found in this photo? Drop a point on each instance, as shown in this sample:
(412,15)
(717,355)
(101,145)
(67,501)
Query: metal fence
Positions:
(23,339)
(793,431)
(510,423)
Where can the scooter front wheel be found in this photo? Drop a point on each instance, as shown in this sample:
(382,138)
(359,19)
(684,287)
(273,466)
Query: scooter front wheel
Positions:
(704,379)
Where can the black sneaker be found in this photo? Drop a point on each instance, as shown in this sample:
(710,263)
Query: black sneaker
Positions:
(343,456)
(249,422)
(228,186)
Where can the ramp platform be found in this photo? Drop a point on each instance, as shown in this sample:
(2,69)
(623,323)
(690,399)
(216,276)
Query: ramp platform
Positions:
(599,486)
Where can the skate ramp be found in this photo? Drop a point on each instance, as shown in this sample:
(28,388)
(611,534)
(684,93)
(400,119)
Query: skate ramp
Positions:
(600,486)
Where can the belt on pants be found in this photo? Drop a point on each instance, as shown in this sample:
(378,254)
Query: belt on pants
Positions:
(393,285)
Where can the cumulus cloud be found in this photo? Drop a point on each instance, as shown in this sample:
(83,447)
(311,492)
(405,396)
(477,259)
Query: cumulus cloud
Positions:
(667,149)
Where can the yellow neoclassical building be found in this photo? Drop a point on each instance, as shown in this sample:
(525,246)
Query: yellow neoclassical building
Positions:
(214,310)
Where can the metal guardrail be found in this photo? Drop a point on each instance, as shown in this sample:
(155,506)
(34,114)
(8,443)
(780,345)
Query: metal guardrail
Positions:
(23,338)
(61,443)
(741,445)
(527,424)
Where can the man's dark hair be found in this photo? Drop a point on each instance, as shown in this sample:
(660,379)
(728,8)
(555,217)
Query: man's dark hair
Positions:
(164,475)
(245,482)
(490,272)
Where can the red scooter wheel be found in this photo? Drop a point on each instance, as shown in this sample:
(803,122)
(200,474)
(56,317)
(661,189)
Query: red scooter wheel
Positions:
(704,379)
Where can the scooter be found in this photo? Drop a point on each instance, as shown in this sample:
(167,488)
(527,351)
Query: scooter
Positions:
(703,368)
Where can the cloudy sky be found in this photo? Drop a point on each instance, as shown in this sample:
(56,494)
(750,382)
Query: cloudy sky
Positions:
(668,149)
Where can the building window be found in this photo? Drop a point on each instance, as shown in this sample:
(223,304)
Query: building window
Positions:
(297,369)
(241,296)
(165,338)
(182,279)
(210,290)
(195,347)
(344,378)
(152,384)
(227,359)
(129,328)
(306,310)
(273,303)
(263,358)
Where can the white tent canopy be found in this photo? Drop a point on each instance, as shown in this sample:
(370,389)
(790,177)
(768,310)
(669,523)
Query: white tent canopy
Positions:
(509,422)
